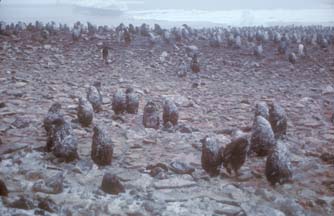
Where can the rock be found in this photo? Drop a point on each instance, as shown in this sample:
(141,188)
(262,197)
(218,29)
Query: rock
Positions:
(157,172)
(234,154)
(52,185)
(228,210)
(328,90)
(262,138)
(260,210)
(3,188)
(111,184)
(151,117)
(22,203)
(278,167)
(21,123)
(211,158)
(132,101)
(102,147)
(64,143)
(94,96)
(291,207)
(119,102)
(327,157)
(172,183)
(262,109)
(194,65)
(170,112)
(48,205)
(278,119)
(85,112)
(2,105)
(181,168)
(184,129)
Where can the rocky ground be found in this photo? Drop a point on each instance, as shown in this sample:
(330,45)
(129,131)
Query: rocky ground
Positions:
(34,73)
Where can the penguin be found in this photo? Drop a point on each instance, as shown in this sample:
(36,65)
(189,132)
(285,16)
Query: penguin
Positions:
(54,113)
(132,101)
(278,166)
(262,109)
(262,137)
(102,147)
(278,119)
(170,113)
(105,53)
(64,142)
(151,117)
(194,65)
(211,158)
(183,69)
(234,154)
(85,112)
(94,96)
(119,102)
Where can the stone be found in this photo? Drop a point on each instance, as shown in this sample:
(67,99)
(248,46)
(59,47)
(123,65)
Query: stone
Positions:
(21,123)
(260,210)
(181,168)
(211,158)
(111,184)
(102,147)
(22,203)
(262,138)
(327,157)
(172,183)
(151,117)
(48,205)
(3,188)
(290,207)
(328,90)
(228,210)
(52,185)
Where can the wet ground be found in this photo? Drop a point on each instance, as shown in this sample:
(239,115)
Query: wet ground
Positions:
(35,73)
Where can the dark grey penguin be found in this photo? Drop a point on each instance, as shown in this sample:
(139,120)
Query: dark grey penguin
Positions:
(211,158)
(262,138)
(102,147)
(151,117)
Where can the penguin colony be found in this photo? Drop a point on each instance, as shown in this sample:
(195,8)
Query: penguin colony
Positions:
(270,121)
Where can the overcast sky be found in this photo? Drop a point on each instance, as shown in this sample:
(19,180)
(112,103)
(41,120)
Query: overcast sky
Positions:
(211,4)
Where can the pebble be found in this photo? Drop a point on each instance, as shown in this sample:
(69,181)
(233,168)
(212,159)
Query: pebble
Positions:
(111,184)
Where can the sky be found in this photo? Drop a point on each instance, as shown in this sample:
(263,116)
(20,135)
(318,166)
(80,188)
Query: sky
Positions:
(208,4)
